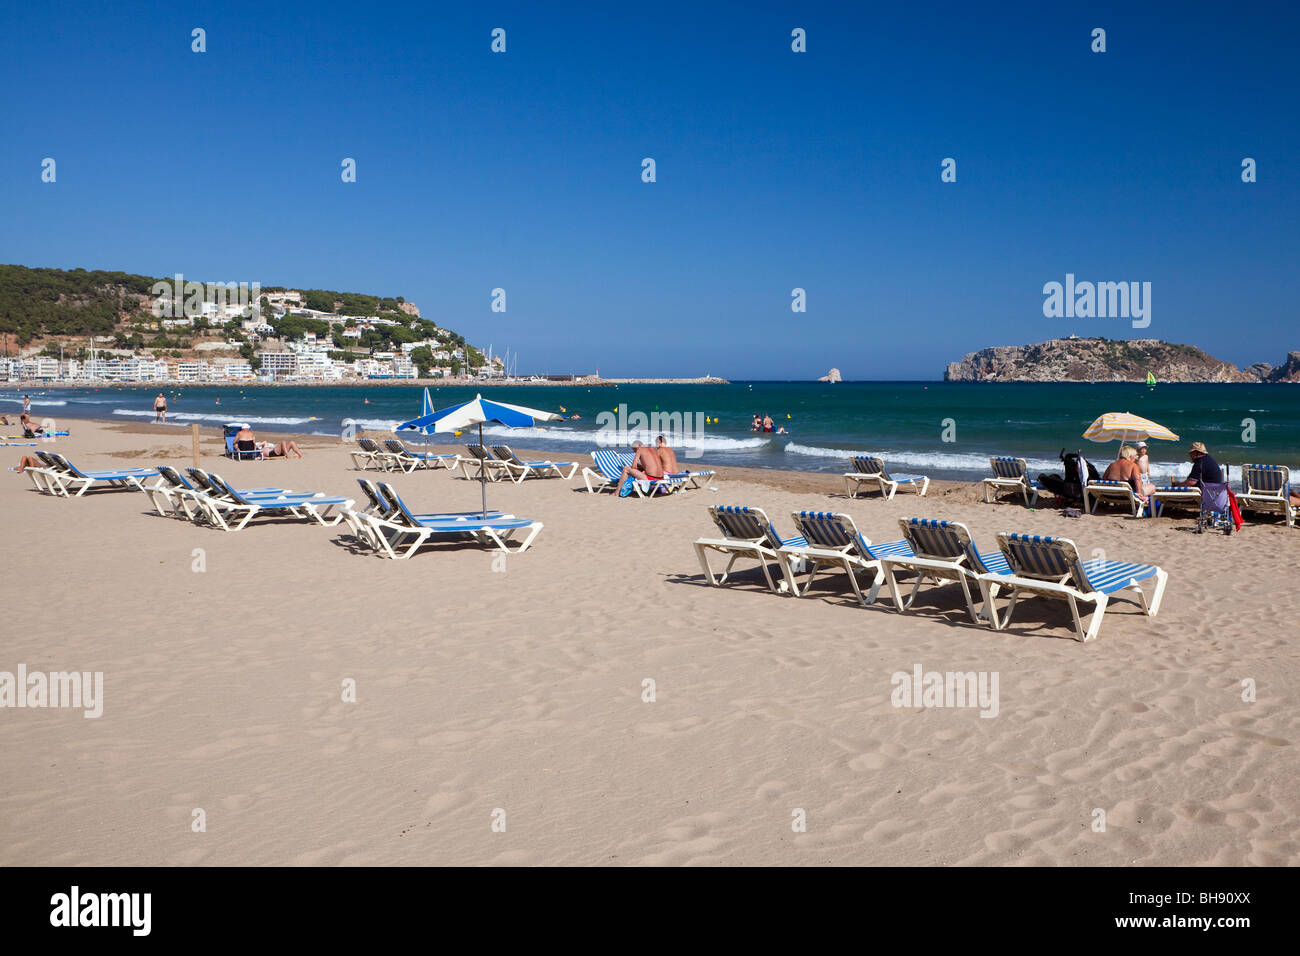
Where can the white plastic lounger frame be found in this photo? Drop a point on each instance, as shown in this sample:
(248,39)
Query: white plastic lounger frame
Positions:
(1176,495)
(520,469)
(870,470)
(1268,488)
(1116,492)
(480,458)
(70,475)
(746,533)
(314,507)
(402,524)
(833,540)
(1011,474)
(1051,567)
(423,459)
(368,454)
(943,551)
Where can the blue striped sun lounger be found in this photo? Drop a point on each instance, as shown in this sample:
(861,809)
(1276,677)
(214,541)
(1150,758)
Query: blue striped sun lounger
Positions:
(834,541)
(520,469)
(1113,492)
(408,460)
(870,470)
(62,475)
(1268,488)
(942,551)
(1051,567)
(1011,474)
(392,525)
(746,533)
(313,506)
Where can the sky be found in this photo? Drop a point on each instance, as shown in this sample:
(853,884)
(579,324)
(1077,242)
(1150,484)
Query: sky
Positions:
(774,170)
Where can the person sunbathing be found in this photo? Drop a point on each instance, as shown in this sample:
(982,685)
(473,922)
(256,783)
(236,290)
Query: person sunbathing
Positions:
(1125,468)
(30,429)
(281,450)
(645,464)
(667,457)
(246,441)
(27,462)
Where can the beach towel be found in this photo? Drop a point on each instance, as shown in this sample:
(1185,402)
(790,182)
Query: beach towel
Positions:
(1236,512)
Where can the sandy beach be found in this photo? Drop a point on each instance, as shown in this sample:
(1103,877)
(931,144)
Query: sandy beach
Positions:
(485,685)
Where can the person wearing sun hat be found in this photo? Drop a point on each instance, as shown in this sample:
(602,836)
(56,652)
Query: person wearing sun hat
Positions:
(1204,468)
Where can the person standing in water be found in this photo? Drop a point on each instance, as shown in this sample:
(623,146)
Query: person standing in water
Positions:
(160,410)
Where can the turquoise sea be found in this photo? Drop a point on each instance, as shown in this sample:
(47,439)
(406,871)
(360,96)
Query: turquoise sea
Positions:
(946,430)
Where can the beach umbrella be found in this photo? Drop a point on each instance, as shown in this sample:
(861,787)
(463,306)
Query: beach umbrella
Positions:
(477,412)
(1125,426)
(426,409)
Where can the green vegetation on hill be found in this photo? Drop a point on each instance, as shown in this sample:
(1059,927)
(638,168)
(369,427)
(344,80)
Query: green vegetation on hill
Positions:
(77,303)
(73,303)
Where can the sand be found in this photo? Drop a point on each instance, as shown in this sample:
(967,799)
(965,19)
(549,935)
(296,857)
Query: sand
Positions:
(515,693)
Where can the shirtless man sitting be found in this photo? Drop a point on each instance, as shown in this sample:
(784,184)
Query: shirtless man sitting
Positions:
(667,457)
(645,464)
(1125,469)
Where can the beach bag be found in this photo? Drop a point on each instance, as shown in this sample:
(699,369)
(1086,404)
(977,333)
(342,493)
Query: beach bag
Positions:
(626,488)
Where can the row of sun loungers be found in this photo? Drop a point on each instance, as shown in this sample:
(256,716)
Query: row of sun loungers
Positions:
(500,462)
(934,552)
(384,524)
(394,454)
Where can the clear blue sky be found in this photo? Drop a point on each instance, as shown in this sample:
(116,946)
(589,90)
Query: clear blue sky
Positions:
(819,170)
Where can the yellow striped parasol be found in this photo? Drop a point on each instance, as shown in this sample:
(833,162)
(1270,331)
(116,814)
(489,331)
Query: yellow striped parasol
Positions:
(1125,426)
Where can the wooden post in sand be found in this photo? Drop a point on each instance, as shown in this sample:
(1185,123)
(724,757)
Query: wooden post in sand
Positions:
(194,434)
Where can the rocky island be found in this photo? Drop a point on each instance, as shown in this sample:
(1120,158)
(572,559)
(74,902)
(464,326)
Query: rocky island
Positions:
(1107,360)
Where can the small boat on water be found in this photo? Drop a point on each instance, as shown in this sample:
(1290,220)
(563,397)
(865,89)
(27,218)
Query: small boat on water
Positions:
(1151,380)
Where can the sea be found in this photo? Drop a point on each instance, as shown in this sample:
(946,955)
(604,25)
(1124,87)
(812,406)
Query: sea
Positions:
(947,430)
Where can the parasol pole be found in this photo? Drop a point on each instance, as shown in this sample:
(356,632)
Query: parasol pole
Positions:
(482,471)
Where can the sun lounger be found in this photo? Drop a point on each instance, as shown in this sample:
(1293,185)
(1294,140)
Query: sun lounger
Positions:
(408,460)
(693,477)
(746,533)
(1051,567)
(870,470)
(1114,492)
(172,492)
(833,540)
(46,476)
(482,460)
(1174,495)
(368,454)
(400,524)
(62,475)
(1268,488)
(313,506)
(520,469)
(380,507)
(606,471)
(1012,474)
(943,551)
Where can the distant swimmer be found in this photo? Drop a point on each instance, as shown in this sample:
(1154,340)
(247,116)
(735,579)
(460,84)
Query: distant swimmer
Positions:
(218,400)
